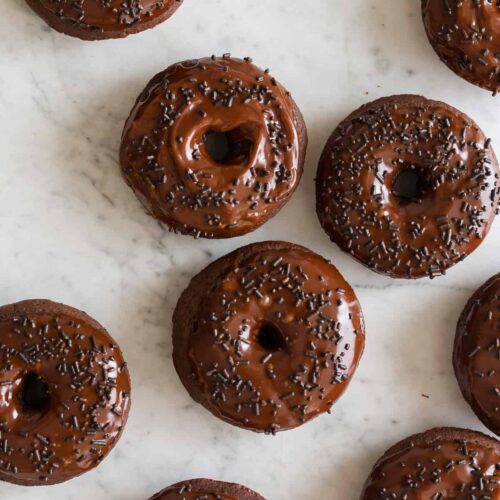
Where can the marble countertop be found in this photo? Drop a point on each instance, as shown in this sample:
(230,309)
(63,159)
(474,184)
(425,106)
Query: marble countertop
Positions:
(72,231)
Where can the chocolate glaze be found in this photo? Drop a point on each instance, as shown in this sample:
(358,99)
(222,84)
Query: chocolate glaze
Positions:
(466,36)
(206,489)
(476,356)
(268,337)
(457,193)
(437,464)
(165,161)
(85,389)
(101,19)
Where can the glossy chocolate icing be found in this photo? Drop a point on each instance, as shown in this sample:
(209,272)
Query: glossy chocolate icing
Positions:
(476,357)
(438,464)
(268,337)
(466,36)
(457,196)
(68,424)
(206,489)
(100,19)
(165,161)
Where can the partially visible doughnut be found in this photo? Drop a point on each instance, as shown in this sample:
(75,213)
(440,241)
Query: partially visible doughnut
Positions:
(206,489)
(64,393)
(476,354)
(102,19)
(441,463)
(466,36)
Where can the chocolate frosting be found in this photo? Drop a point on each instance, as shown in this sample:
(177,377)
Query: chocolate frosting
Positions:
(206,489)
(100,19)
(268,337)
(466,36)
(456,195)
(438,464)
(64,393)
(476,357)
(165,161)
(193,494)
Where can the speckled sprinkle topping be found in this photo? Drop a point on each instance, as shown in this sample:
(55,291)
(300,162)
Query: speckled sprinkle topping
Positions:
(167,160)
(275,340)
(408,186)
(466,36)
(476,356)
(101,19)
(64,393)
(438,464)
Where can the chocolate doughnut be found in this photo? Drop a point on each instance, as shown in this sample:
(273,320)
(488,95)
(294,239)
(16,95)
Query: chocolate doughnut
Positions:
(214,147)
(267,337)
(476,355)
(64,393)
(466,36)
(206,489)
(407,186)
(102,19)
(440,463)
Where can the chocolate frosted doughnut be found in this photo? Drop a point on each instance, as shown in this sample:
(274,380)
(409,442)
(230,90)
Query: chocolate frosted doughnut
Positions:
(206,489)
(476,356)
(214,147)
(407,186)
(466,36)
(101,19)
(268,337)
(64,393)
(437,464)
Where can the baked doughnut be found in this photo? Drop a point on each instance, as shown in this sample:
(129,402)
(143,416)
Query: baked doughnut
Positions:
(407,186)
(466,36)
(64,393)
(440,463)
(214,147)
(102,19)
(267,337)
(206,489)
(476,355)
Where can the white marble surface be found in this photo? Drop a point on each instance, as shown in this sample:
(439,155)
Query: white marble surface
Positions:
(72,231)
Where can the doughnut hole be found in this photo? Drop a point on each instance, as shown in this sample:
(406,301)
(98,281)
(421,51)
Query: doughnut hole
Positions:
(408,186)
(34,393)
(270,337)
(230,148)
(217,146)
